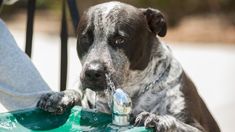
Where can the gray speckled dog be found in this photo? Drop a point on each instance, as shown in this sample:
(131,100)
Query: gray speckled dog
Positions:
(120,40)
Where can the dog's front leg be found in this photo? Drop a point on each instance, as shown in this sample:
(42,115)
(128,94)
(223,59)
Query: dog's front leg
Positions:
(59,102)
(163,123)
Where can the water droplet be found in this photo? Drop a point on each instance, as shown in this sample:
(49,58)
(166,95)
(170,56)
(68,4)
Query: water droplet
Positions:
(110,83)
(147,88)
(95,118)
(95,110)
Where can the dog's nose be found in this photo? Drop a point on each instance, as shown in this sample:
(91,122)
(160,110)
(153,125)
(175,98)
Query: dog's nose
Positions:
(95,71)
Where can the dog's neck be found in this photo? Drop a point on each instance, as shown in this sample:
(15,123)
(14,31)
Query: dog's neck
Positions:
(160,62)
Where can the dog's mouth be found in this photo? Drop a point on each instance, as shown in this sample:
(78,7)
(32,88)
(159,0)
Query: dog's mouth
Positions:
(97,85)
(94,86)
(97,76)
(104,83)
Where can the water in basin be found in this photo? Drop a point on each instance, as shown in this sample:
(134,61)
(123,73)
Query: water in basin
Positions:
(75,120)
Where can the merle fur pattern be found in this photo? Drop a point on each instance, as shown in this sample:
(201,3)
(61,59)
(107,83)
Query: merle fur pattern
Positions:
(123,39)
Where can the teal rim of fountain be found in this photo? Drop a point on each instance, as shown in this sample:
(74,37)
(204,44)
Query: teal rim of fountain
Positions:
(77,119)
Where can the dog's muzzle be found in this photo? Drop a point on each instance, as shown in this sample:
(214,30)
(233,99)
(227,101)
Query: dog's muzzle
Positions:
(93,76)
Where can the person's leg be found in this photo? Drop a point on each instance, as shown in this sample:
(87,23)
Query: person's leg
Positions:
(20,82)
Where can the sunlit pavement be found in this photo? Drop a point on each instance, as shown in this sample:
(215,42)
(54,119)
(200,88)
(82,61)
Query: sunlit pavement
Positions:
(211,67)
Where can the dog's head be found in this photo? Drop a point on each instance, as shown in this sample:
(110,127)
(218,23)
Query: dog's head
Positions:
(116,38)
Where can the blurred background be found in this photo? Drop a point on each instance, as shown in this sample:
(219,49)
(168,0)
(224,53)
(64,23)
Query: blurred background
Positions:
(201,34)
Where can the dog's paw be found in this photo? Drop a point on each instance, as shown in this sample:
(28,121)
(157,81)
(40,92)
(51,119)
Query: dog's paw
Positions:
(159,123)
(55,102)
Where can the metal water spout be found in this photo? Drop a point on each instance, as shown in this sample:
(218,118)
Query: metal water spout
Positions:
(121,108)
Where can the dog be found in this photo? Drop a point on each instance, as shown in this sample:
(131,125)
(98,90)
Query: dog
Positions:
(122,41)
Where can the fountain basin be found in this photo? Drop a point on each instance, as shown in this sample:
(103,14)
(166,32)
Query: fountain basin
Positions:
(77,119)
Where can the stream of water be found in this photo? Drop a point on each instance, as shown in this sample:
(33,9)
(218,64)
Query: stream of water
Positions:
(108,91)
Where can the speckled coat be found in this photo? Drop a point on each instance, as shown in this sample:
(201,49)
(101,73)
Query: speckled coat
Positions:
(123,38)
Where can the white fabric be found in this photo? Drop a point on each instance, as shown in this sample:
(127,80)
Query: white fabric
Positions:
(20,82)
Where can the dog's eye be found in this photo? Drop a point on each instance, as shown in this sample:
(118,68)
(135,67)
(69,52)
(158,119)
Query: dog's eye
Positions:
(84,39)
(120,40)
(84,42)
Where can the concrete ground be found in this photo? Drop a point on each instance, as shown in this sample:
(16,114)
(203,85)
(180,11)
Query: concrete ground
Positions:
(211,67)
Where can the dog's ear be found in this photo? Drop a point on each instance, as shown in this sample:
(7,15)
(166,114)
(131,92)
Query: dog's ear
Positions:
(156,21)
